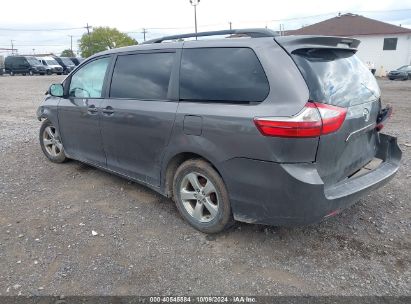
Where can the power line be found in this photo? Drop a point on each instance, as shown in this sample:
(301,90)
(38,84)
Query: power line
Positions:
(40,30)
(206,25)
(274,20)
(35,44)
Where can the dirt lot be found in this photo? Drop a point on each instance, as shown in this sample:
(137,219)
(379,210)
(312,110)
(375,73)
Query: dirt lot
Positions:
(143,247)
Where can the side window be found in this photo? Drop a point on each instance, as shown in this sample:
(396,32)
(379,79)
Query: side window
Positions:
(142,76)
(88,81)
(222,75)
(390,44)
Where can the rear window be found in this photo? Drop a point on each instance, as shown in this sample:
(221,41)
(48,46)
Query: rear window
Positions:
(336,77)
(222,75)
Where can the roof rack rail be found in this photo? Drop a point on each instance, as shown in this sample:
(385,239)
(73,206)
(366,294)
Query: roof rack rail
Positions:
(253,33)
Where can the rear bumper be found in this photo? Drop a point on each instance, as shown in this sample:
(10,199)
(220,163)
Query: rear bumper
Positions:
(294,194)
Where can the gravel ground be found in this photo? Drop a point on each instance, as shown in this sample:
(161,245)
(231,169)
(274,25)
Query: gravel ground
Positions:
(143,247)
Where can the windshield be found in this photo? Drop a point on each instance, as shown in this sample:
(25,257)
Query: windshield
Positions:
(33,61)
(52,62)
(67,61)
(336,77)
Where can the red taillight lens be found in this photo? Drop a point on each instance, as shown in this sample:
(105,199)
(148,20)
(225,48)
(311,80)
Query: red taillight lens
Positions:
(379,127)
(332,117)
(313,120)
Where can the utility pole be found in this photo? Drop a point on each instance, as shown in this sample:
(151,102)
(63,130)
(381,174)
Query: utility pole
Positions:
(88,27)
(281,29)
(34,51)
(230,25)
(195,3)
(144,32)
(71,43)
(12,47)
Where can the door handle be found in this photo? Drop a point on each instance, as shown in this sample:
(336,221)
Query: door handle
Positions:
(108,111)
(92,110)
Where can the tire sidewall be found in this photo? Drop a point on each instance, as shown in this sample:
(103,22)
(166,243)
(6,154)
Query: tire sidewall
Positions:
(58,159)
(224,216)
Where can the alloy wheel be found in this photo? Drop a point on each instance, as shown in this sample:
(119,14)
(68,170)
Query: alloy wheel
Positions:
(51,142)
(199,197)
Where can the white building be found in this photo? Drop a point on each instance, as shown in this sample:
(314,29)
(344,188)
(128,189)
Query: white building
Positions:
(384,45)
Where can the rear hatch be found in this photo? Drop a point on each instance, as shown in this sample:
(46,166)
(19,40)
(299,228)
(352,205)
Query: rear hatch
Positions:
(336,76)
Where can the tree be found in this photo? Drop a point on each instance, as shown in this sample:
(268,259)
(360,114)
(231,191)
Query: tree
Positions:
(103,38)
(67,53)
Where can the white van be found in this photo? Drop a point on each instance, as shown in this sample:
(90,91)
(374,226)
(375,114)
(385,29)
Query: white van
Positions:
(51,65)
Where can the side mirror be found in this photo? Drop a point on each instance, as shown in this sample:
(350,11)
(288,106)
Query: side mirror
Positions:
(56,90)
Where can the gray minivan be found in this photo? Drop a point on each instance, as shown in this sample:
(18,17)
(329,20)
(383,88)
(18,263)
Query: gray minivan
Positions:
(254,127)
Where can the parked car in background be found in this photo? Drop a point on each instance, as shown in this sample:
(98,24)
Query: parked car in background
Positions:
(76,60)
(66,63)
(403,73)
(24,65)
(215,126)
(52,66)
(1,64)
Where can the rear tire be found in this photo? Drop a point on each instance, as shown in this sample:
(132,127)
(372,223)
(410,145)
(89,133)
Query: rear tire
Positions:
(50,143)
(201,197)
(31,73)
(11,73)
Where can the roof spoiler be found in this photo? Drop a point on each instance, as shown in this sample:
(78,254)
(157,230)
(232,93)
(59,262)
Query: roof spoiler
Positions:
(292,43)
(253,33)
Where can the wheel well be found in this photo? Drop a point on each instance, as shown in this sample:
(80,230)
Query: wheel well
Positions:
(173,165)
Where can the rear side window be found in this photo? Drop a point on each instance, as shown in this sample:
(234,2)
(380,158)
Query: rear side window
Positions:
(222,75)
(142,76)
(336,77)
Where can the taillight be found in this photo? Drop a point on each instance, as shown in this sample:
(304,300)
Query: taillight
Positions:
(313,120)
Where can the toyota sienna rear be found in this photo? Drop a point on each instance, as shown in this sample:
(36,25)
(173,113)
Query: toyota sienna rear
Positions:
(255,127)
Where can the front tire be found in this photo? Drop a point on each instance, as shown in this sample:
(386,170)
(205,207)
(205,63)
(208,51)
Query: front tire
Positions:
(31,73)
(201,197)
(49,72)
(50,143)
(11,73)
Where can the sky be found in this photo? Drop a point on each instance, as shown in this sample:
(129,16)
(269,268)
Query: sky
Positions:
(45,26)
